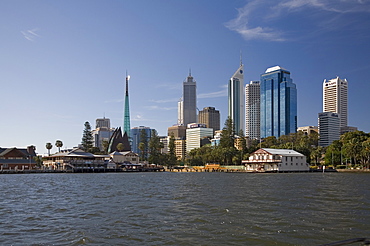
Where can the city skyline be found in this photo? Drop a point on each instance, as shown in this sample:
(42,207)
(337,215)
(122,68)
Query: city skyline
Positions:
(64,62)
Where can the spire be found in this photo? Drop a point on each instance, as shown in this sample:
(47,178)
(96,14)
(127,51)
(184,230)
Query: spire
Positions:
(241,60)
(189,72)
(126,117)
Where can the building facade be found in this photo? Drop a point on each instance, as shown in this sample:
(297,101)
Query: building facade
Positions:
(335,98)
(178,131)
(102,132)
(136,133)
(276,160)
(210,117)
(189,101)
(307,130)
(195,135)
(236,98)
(252,110)
(17,158)
(278,103)
(329,128)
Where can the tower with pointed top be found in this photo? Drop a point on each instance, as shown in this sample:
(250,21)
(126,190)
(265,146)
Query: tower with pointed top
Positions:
(126,117)
(236,98)
(189,101)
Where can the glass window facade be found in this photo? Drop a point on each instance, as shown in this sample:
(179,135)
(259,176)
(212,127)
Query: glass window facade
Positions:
(278,103)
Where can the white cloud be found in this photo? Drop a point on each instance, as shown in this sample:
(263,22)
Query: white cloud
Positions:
(261,11)
(222,93)
(154,107)
(30,35)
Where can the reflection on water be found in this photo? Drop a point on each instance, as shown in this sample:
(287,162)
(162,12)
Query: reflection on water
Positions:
(183,208)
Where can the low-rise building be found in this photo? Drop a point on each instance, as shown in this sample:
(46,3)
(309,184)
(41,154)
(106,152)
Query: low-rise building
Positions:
(125,157)
(77,160)
(276,160)
(17,158)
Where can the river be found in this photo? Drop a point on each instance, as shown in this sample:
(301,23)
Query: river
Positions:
(165,208)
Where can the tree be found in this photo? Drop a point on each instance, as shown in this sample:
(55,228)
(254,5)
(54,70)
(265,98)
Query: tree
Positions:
(172,155)
(87,137)
(227,134)
(120,147)
(38,160)
(143,144)
(105,145)
(49,146)
(59,144)
(155,147)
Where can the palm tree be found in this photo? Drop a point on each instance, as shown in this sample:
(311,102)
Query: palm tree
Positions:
(49,146)
(59,144)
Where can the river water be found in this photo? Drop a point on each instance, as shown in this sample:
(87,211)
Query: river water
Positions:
(183,208)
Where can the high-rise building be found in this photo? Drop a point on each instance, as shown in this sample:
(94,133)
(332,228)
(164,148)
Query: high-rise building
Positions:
(278,103)
(126,117)
(136,134)
(189,101)
(178,131)
(236,98)
(102,132)
(196,134)
(329,128)
(210,117)
(252,110)
(180,115)
(335,98)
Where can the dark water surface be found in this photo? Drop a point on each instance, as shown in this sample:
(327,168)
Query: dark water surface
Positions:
(183,208)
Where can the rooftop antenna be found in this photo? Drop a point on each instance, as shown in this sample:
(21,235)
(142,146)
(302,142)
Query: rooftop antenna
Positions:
(241,61)
(189,72)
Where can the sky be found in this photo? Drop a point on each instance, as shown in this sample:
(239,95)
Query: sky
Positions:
(64,62)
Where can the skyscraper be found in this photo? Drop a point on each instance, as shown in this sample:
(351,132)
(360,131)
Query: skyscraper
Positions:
(189,101)
(236,98)
(278,103)
(126,118)
(210,117)
(335,98)
(329,129)
(252,110)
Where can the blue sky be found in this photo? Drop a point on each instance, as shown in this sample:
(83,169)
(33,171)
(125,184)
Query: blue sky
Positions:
(64,62)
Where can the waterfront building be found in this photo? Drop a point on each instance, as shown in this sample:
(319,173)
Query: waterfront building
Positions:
(276,160)
(329,128)
(307,130)
(335,98)
(126,157)
(236,98)
(17,158)
(102,132)
(76,160)
(178,131)
(196,135)
(189,101)
(278,103)
(252,110)
(136,133)
(210,117)
(126,117)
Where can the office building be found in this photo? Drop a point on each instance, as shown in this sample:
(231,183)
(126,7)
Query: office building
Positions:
(278,103)
(136,135)
(188,105)
(102,133)
(210,117)
(178,131)
(252,110)
(307,130)
(236,98)
(196,135)
(335,98)
(329,128)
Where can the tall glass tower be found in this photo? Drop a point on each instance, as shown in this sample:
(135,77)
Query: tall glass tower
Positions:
(278,103)
(189,101)
(126,117)
(236,98)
